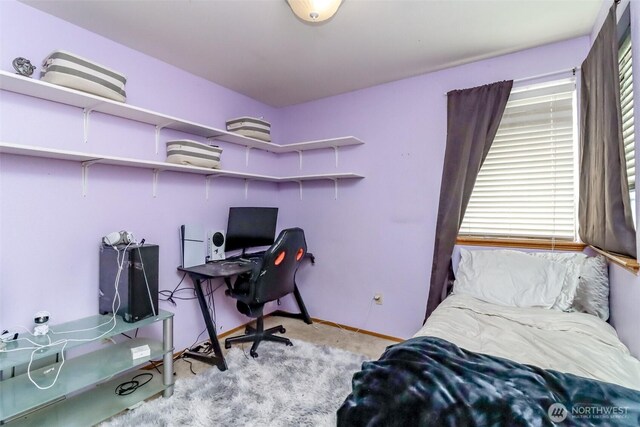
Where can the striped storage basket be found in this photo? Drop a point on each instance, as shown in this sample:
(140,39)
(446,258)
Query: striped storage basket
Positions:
(187,152)
(69,70)
(251,127)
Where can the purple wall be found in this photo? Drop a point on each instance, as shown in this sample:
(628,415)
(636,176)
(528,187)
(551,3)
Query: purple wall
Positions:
(49,233)
(376,237)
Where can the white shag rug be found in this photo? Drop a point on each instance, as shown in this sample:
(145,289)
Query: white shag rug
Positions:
(302,385)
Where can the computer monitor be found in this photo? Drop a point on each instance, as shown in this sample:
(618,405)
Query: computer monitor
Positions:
(250,227)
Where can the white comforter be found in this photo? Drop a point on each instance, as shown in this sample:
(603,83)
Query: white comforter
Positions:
(576,343)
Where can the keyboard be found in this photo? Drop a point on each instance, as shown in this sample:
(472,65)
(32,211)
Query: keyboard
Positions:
(247,257)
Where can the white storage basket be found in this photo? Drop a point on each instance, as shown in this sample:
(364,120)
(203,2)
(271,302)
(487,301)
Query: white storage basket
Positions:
(194,153)
(69,70)
(251,127)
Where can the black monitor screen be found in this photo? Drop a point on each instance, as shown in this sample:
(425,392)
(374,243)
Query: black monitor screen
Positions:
(251,227)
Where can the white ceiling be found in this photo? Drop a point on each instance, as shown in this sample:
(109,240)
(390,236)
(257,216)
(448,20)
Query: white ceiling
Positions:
(259,48)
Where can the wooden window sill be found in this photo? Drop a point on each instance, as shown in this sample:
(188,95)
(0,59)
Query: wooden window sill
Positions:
(623,261)
(498,242)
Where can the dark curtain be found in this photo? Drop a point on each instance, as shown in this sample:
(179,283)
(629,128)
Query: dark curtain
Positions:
(604,211)
(473,116)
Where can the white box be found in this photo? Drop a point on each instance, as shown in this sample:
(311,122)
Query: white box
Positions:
(140,352)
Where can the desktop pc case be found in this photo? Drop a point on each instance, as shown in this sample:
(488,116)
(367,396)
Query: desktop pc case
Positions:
(135,301)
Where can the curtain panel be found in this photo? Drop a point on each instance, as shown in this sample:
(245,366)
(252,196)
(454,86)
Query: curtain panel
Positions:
(473,117)
(604,210)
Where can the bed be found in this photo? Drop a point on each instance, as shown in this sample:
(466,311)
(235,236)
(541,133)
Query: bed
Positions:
(476,362)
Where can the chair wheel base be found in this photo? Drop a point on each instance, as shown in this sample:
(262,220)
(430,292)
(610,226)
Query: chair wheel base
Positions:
(258,334)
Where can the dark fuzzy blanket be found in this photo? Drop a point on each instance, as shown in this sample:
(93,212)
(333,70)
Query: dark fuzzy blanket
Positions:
(428,381)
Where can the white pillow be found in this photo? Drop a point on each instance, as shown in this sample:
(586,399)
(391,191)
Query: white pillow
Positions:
(573,261)
(592,295)
(509,278)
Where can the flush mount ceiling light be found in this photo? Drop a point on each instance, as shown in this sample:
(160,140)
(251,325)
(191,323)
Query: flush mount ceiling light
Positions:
(314,10)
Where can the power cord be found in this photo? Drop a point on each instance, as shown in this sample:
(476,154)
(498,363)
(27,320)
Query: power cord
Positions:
(169,295)
(144,273)
(155,366)
(115,305)
(190,364)
(204,347)
(172,297)
(211,303)
(129,387)
(131,337)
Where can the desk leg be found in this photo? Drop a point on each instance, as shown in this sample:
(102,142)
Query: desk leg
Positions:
(303,315)
(217,358)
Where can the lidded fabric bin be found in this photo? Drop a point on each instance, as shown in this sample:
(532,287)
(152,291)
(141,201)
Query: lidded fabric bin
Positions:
(250,127)
(69,70)
(193,153)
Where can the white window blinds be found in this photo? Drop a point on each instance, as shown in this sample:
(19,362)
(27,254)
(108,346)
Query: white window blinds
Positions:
(527,184)
(626,101)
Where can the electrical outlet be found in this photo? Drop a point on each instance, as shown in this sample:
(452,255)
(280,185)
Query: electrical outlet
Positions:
(378,298)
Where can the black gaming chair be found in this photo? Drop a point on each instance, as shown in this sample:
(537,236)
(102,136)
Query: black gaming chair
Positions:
(273,277)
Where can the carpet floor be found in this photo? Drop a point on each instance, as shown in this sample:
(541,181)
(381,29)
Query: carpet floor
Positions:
(302,385)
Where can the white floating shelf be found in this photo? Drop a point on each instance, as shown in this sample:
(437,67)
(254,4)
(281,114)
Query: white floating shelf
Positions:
(320,176)
(321,143)
(51,153)
(43,90)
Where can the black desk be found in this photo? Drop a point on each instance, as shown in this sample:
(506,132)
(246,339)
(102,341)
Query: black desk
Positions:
(201,273)
(226,269)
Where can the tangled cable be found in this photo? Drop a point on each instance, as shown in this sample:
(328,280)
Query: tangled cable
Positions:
(129,387)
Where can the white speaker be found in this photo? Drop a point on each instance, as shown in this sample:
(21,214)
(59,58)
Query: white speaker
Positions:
(215,245)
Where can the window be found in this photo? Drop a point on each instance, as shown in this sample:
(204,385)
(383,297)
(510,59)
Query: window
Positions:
(626,101)
(526,187)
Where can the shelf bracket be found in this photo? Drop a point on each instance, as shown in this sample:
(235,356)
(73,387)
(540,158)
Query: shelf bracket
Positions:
(211,139)
(335,150)
(85,175)
(156,173)
(300,187)
(246,189)
(158,129)
(207,180)
(300,158)
(246,156)
(335,186)
(86,112)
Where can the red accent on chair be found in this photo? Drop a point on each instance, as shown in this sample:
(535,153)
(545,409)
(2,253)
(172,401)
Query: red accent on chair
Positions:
(268,282)
(299,254)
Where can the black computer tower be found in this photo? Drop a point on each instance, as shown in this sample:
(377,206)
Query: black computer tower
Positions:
(135,299)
